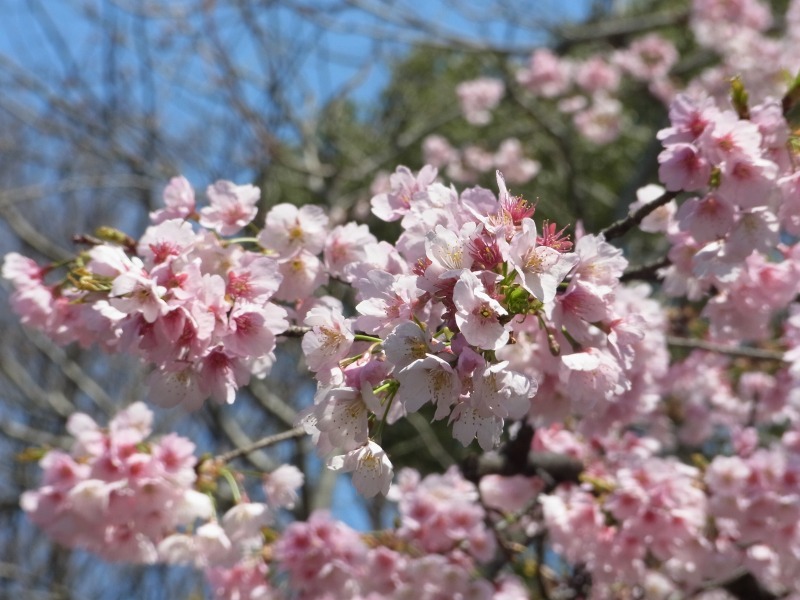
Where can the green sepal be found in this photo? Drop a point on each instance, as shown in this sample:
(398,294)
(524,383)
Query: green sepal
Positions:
(740,98)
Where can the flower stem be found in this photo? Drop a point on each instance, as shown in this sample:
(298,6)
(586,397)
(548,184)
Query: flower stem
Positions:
(226,473)
(367,338)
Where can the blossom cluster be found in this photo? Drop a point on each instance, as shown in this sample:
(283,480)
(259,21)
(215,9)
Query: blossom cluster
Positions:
(584,89)
(737,32)
(469,313)
(465,165)
(441,542)
(135,500)
(117,494)
(641,520)
(588,90)
(470,274)
(742,170)
(196,306)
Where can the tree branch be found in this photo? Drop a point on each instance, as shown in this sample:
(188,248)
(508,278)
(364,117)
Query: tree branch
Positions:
(646,272)
(742,351)
(621,227)
(516,458)
(262,443)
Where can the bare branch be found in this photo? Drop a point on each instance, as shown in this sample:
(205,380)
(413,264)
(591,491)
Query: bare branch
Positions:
(648,272)
(432,443)
(742,351)
(265,442)
(73,371)
(623,226)
(54,399)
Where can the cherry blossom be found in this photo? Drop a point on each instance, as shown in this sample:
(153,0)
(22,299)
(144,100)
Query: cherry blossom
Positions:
(478,98)
(478,314)
(540,268)
(230,208)
(371,468)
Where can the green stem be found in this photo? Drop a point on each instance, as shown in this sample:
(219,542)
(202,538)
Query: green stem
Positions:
(576,347)
(61,263)
(237,496)
(381,423)
(382,388)
(367,338)
(350,360)
(242,240)
(555,350)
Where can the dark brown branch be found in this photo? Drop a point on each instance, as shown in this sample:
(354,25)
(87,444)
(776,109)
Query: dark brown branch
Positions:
(516,458)
(747,587)
(621,227)
(618,28)
(742,351)
(742,584)
(647,272)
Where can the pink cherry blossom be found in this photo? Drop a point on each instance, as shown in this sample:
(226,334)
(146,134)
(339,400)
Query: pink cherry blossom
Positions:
(288,229)
(388,300)
(407,343)
(478,314)
(321,556)
(727,137)
(470,421)
(748,183)
(281,486)
(165,241)
(428,379)
(255,280)
(438,152)
(345,245)
(706,219)
(342,416)
(540,268)
(405,186)
(649,57)
(510,159)
(478,97)
(682,167)
(330,339)
(598,261)
(301,274)
(547,76)
(137,292)
(178,199)
(590,375)
(596,75)
(231,207)
(601,122)
(372,471)
(502,392)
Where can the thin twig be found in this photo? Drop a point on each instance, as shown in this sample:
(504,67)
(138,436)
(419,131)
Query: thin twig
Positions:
(271,402)
(262,443)
(723,349)
(540,550)
(646,272)
(434,446)
(591,32)
(295,331)
(621,227)
(73,371)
